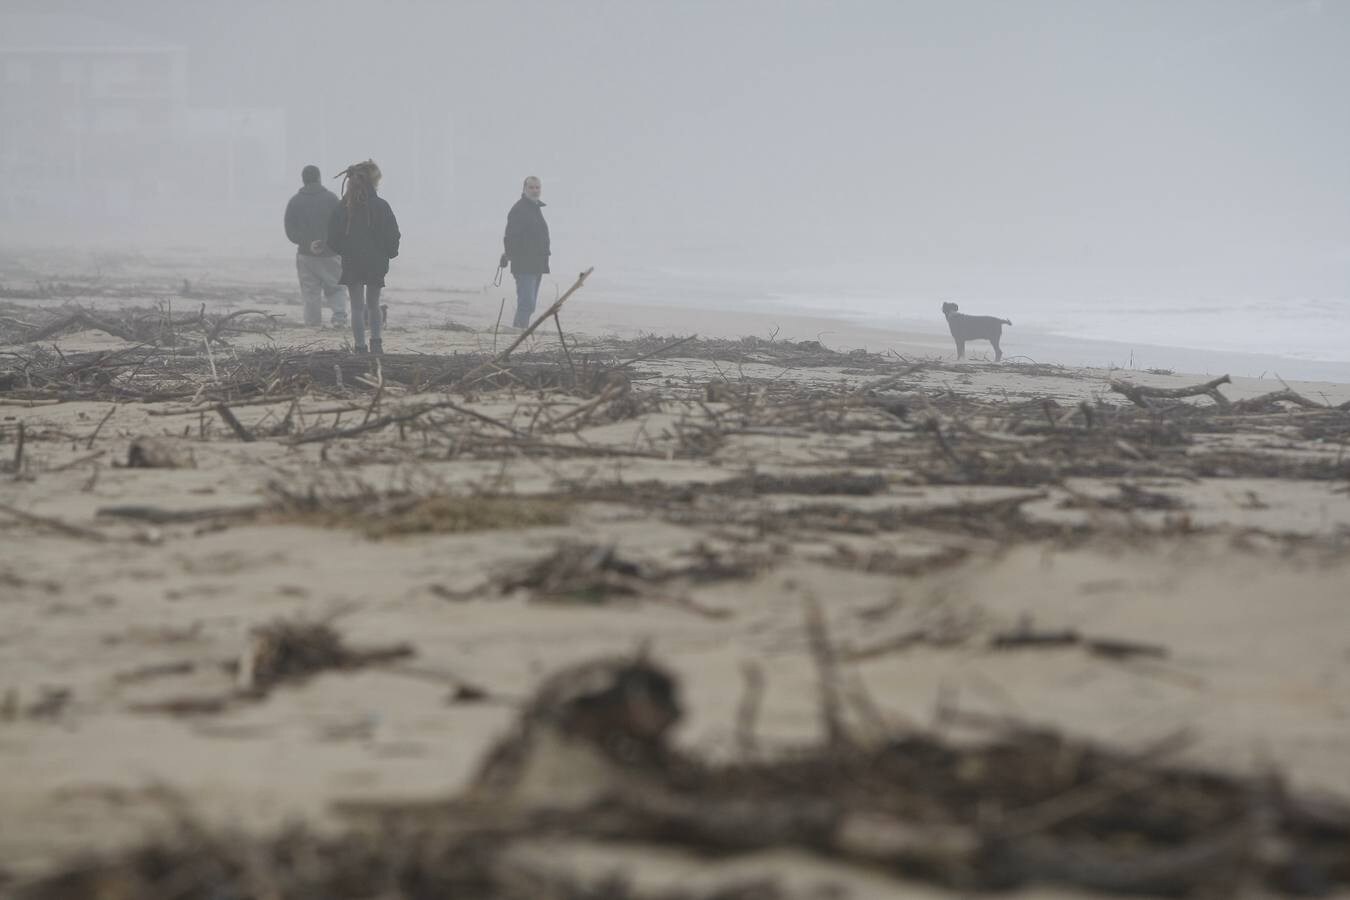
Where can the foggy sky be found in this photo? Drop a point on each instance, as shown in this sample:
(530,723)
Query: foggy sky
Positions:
(1150,146)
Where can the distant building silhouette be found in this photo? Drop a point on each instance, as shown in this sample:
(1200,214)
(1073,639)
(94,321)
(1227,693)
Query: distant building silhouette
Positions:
(96,128)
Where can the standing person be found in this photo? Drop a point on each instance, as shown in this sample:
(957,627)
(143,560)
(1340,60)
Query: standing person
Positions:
(526,248)
(307,227)
(364,231)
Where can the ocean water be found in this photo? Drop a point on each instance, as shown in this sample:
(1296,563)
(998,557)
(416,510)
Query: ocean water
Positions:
(1306,329)
(1310,329)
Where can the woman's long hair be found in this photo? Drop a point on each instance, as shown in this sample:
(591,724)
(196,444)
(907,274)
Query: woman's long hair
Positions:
(359,181)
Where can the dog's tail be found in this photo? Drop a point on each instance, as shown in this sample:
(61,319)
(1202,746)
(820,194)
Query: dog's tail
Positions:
(1006,321)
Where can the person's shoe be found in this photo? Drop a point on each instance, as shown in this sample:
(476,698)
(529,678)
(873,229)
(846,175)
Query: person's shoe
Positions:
(376,346)
(339,321)
(361,350)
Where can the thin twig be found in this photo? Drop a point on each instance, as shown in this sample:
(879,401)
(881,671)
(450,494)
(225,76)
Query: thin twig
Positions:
(211,357)
(54,524)
(89,444)
(90,457)
(659,350)
(747,713)
(827,671)
(379,391)
(495,328)
(18,451)
(563,340)
(381,422)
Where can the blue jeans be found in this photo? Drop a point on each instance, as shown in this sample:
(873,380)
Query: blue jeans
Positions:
(527,294)
(365,300)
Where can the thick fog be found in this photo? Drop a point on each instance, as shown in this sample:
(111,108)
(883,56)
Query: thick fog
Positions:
(1135,148)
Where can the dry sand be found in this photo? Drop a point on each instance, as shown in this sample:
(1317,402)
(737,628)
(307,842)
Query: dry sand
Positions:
(1248,594)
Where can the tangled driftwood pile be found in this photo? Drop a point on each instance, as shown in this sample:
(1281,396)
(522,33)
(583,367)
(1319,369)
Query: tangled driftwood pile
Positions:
(1023,806)
(158,374)
(139,325)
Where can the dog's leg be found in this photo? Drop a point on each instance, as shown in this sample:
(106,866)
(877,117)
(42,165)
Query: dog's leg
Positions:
(960,349)
(998,351)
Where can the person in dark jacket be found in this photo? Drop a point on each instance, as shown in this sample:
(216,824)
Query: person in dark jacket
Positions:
(307,227)
(526,248)
(363,230)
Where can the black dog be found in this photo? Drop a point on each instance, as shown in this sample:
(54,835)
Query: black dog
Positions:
(974,328)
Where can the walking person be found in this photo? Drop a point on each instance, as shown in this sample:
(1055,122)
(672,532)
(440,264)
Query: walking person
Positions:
(526,246)
(307,217)
(363,230)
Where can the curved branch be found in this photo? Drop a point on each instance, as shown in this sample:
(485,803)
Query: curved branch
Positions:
(1139,394)
(214,333)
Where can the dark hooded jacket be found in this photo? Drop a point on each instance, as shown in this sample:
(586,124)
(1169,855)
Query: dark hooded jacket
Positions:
(526,240)
(307,218)
(367,240)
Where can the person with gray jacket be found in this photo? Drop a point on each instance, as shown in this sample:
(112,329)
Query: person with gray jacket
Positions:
(318,266)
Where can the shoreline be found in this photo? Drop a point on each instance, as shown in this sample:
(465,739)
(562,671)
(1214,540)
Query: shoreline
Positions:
(1024,344)
(625,303)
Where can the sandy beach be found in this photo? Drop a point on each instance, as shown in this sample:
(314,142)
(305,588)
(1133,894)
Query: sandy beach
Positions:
(938,514)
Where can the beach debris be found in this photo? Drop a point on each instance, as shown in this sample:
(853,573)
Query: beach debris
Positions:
(282,651)
(139,325)
(287,651)
(1128,497)
(158,453)
(384,514)
(1012,805)
(228,417)
(51,702)
(855,484)
(202,863)
(579,572)
(618,710)
(1024,636)
(51,523)
(1141,394)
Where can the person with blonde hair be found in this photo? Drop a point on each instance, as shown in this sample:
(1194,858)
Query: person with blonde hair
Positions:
(527,249)
(365,233)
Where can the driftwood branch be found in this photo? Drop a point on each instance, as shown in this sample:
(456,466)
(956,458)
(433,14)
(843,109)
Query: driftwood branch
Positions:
(520,339)
(1264,401)
(329,434)
(214,333)
(18,450)
(747,712)
(235,425)
(54,524)
(82,318)
(827,671)
(658,351)
(101,422)
(1140,394)
(562,339)
(608,394)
